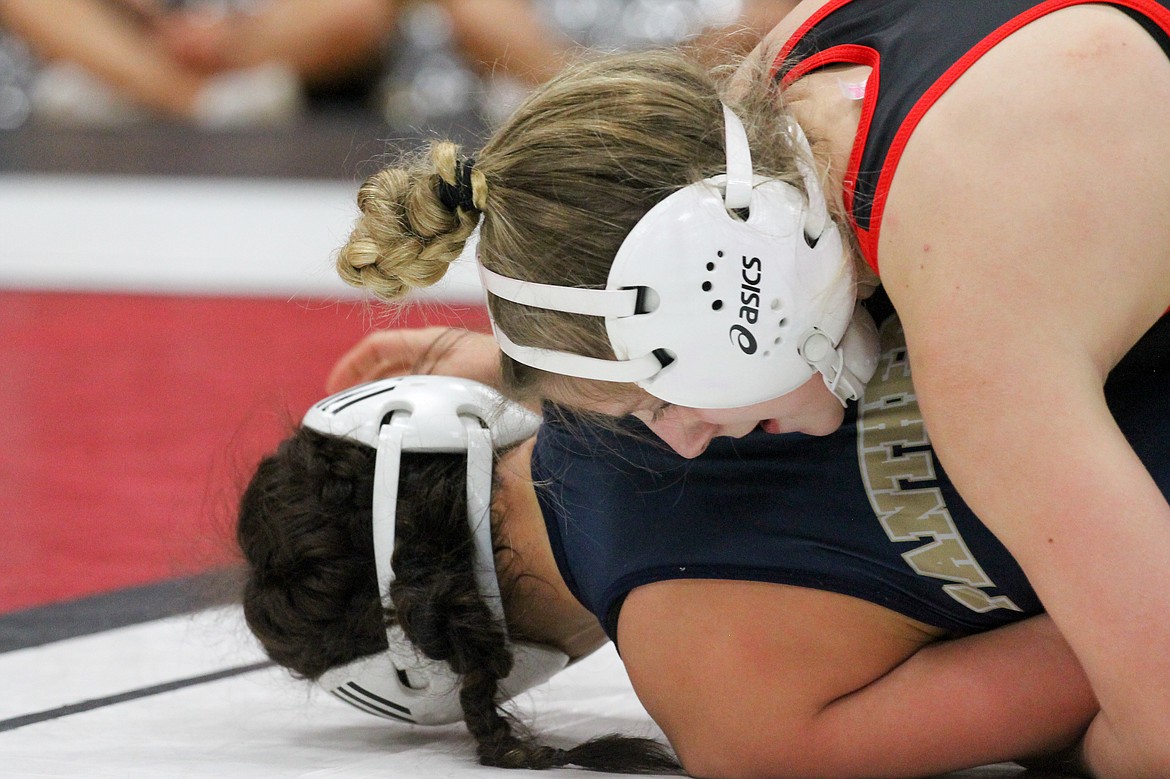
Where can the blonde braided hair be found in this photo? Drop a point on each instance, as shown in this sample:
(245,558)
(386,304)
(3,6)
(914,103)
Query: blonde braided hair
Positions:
(406,237)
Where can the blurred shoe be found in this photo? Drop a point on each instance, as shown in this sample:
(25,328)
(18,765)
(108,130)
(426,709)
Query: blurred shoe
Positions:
(66,94)
(262,96)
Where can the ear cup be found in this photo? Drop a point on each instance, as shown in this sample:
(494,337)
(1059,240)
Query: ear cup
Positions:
(847,366)
(714,292)
(733,296)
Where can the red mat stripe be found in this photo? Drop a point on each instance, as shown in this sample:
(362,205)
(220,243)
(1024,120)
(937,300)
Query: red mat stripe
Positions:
(130,422)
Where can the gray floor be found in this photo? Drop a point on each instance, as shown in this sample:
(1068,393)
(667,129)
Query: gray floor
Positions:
(340,144)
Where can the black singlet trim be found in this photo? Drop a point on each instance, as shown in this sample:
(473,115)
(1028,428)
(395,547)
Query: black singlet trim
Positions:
(890,120)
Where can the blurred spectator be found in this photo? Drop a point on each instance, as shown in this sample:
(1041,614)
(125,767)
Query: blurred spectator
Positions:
(223,63)
(16,72)
(458,56)
(110,61)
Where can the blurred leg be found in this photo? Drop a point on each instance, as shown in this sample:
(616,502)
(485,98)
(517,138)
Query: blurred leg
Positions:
(508,35)
(109,43)
(721,44)
(321,41)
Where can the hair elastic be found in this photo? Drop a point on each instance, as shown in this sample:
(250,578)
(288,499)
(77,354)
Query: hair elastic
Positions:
(459,194)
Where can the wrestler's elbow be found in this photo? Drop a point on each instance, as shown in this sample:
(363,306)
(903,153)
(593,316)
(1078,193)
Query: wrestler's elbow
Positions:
(1141,752)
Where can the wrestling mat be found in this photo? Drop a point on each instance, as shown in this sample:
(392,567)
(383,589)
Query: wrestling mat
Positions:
(157,335)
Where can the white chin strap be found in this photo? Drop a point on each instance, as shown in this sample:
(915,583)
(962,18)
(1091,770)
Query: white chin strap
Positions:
(847,367)
(713,299)
(630,371)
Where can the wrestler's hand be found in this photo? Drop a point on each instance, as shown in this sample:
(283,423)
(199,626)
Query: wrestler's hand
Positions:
(445,351)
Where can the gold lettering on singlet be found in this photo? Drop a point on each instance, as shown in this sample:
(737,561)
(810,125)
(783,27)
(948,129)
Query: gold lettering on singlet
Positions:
(898,468)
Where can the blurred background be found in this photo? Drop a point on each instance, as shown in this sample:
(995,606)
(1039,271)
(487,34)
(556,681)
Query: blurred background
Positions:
(175,176)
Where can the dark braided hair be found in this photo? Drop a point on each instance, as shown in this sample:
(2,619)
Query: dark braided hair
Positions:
(311,594)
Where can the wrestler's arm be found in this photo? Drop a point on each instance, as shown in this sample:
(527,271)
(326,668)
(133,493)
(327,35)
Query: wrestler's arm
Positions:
(1025,260)
(750,679)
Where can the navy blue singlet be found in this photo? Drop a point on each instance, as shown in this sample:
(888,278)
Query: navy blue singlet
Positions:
(867,511)
(909,76)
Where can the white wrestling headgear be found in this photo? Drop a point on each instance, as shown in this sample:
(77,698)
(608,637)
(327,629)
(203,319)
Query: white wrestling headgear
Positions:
(731,291)
(428,414)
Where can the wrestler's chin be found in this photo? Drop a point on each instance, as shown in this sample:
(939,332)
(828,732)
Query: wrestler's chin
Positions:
(822,422)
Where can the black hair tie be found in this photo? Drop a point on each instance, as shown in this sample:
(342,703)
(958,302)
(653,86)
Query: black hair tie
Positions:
(559,758)
(458,195)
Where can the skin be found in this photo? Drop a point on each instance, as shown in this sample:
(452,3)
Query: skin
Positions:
(830,682)
(811,409)
(827,686)
(320,41)
(537,603)
(162,59)
(1074,172)
(326,40)
(112,45)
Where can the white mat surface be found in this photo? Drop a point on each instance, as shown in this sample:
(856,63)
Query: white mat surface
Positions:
(185,235)
(258,724)
(263,723)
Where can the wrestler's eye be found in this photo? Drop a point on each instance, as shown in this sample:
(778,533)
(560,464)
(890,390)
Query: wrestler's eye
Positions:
(660,412)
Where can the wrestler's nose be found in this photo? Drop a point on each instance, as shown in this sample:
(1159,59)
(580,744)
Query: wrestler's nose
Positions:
(684,432)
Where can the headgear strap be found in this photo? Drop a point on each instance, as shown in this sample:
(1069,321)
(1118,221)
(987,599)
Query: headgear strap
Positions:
(458,195)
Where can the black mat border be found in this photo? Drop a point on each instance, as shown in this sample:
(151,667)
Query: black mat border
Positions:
(120,608)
